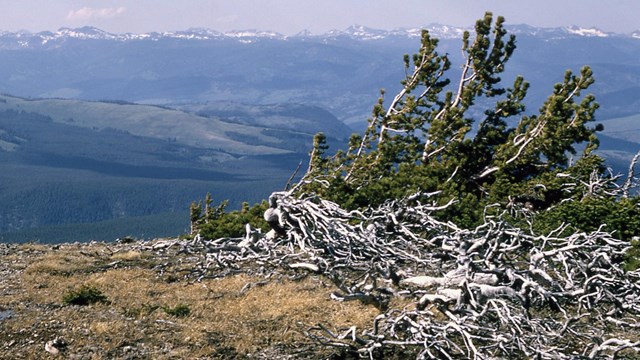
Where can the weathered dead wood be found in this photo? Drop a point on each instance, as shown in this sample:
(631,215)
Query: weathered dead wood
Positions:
(491,292)
(487,283)
(631,181)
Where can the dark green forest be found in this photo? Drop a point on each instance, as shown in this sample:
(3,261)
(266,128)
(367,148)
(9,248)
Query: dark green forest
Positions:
(61,182)
(140,227)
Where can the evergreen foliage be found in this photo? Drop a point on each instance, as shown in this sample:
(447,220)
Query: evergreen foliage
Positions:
(474,145)
(459,140)
(85,295)
(180,310)
(213,222)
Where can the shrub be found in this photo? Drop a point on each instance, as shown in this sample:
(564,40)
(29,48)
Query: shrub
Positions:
(85,295)
(144,309)
(180,310)
(213,222)
(620,216)
(632,257)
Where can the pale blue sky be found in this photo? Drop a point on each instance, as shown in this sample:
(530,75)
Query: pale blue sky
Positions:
(292,16)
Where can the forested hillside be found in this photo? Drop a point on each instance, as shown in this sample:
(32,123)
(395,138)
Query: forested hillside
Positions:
(78,170)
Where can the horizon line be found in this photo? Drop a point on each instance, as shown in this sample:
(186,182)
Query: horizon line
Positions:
(307,31)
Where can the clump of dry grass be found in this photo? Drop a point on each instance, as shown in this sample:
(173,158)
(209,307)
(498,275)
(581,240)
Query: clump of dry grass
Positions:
(127,256)
(225,317)
(60,264)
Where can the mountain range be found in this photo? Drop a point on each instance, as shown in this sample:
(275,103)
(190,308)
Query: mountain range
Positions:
(340,71)
(25,39)
(105,135)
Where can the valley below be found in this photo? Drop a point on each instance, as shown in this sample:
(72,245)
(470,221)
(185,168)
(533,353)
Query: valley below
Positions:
(78,170)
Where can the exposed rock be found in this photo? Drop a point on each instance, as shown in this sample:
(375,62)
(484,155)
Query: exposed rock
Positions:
(55,346)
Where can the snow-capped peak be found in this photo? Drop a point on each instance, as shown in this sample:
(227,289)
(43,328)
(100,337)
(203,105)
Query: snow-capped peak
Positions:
(365,33)
(590,32)
(446,31)
(360,32)
(87,32)
(25,39)
(252,33)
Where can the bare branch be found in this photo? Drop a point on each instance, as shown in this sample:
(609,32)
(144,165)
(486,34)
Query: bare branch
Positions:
(629,183)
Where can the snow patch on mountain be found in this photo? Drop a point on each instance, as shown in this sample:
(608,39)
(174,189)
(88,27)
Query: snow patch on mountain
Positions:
(24,39)
(590,32)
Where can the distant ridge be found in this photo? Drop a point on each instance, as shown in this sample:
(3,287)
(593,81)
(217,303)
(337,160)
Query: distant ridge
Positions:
(25,39)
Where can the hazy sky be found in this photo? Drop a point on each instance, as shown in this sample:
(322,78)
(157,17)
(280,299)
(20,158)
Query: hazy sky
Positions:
(292,16)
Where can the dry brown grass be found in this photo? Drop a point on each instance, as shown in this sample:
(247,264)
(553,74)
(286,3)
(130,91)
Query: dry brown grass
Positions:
(60,264)
(226,320)
(127,256)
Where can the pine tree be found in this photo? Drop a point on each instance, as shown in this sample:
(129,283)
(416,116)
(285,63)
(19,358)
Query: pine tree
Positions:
(195,216)
(430,138)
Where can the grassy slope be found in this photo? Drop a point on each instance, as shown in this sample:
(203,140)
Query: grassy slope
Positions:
(620,141)
(625,128)
(54,174)
(149,121)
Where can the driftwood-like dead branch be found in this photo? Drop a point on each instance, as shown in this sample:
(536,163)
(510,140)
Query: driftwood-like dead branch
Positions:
(491,292)
(631,181)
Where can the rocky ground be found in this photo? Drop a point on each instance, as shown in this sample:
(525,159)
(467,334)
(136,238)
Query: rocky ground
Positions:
(263,298)
(148,300)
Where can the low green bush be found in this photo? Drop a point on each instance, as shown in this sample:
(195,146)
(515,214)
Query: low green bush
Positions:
(85,295)
(180,310)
